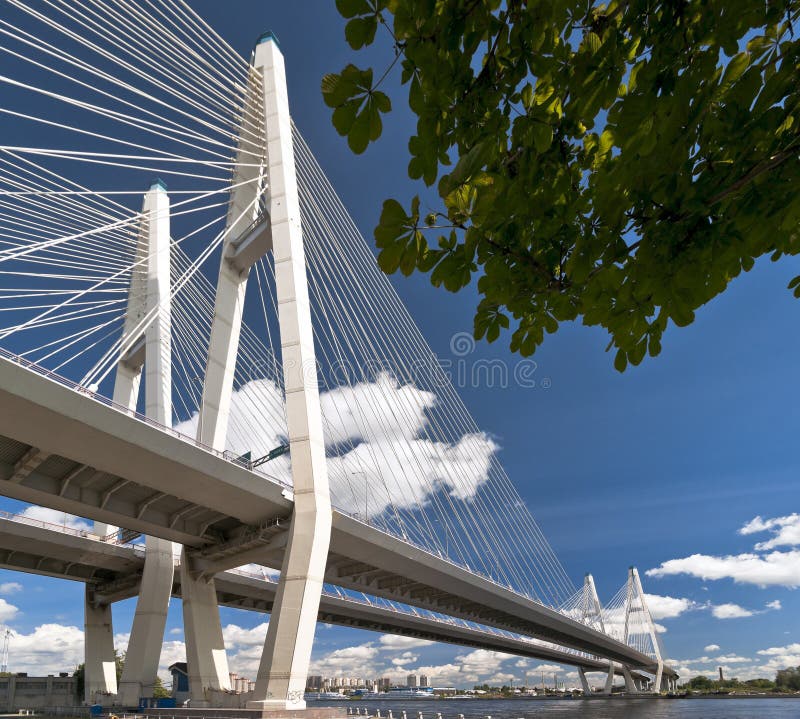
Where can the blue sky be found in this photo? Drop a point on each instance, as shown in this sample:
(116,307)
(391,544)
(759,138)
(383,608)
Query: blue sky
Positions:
(670,460)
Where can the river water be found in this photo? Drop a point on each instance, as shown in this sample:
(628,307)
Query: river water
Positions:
(595,708)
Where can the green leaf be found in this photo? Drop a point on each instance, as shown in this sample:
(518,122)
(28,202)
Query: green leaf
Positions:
(351,8)
(621,360)
(360,31)
(542,136)
(345,115)
(593,43)
(737,65)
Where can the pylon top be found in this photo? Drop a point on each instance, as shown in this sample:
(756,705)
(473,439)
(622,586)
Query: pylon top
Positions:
(158,184)
(267,36)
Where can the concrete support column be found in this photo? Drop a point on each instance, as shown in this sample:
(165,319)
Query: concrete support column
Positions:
(100,679)
(149,622)
(283,671)
(630,686)
(587,690)
(609,680)
(147,633)
(206,660)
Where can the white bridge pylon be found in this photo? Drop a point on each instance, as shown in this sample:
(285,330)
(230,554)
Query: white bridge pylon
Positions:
(265,216)
(146,347)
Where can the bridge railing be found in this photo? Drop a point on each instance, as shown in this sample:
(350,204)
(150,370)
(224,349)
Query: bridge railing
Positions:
(93,395)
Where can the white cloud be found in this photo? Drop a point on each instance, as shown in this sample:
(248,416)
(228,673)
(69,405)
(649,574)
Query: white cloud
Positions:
(375,411)
(732,659)
(546,668)
(785,530)
(775,604)
(404,658)
(48,649)
(10,587)
(730,611)
(664,607)
(7,611)
(711,648)
(375,434)
(773,569)
(357,660)
(791,649)
(53,516)
(395,641)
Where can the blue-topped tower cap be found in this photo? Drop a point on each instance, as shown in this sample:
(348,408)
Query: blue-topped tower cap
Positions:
(158,184)
(267,36)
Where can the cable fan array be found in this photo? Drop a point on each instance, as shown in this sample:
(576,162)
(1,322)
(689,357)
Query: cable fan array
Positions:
(172,99)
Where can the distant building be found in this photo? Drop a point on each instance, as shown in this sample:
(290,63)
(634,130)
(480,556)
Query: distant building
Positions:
(411,680)
(423,680)
(315,682)
(180,682)
(384,682)
(24,692)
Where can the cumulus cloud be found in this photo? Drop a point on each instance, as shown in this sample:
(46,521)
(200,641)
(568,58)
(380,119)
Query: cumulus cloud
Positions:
(734,611)
(359,660)
(395,641)
(785,530)
(761,567)
(404,658)
(711,648)
(10,588)
(773,569)
(665,607)
(729,610)
(375,411)
(732,659)
(7,611)
(48,649)
(375,434)
(53,516)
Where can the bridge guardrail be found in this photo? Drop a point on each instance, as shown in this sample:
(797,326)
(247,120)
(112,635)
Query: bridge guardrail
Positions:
(64,381)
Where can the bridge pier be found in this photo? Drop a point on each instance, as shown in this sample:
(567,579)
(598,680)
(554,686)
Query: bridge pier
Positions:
(609,686)
(630,685)
(149,622)
(206,660)
(100,666)
(587,690)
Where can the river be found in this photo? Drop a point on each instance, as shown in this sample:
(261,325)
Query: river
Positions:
(596,708)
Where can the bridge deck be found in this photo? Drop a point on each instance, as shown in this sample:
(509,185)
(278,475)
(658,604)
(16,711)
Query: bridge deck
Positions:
(114,571)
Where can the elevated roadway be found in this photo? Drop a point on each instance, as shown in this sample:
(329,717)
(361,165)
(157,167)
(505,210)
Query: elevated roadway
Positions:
(113,571)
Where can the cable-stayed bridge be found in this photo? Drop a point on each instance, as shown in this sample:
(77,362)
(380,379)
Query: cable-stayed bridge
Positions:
(217,361)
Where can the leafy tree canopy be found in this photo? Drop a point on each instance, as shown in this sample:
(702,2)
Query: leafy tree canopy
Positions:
(788,678)
(617,164)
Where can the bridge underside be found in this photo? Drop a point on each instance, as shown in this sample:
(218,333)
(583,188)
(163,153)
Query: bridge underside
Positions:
(114,573)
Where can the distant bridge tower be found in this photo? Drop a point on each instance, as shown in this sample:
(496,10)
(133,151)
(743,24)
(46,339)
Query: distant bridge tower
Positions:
(638,615)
